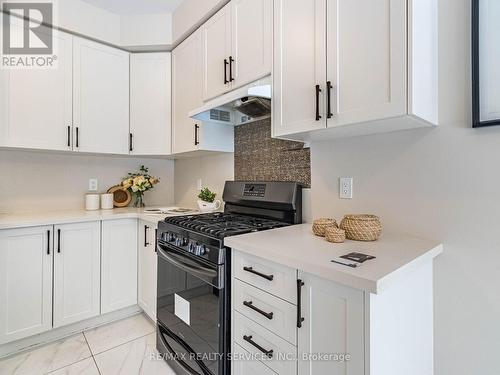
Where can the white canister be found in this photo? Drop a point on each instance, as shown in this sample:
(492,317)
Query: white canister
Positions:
(92,202)
(107,201)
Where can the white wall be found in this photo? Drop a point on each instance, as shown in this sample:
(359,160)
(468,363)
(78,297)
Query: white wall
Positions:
(146,30)
(214,171)
(33,181)
(441,184)
(190,14)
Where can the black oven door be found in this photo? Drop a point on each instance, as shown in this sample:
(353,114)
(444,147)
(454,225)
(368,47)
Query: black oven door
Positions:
(190,312)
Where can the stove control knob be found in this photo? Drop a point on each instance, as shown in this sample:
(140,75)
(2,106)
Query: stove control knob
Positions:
(200,250)
(192,247)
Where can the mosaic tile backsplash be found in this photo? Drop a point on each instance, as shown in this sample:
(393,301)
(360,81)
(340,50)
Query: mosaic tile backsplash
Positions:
(258,157)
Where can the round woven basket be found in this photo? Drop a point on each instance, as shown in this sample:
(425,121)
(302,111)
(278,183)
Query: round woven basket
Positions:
(335,235)
(319,226)
(361,227)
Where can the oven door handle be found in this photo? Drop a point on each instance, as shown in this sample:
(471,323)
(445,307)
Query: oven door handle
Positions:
(163,331)
(190,266)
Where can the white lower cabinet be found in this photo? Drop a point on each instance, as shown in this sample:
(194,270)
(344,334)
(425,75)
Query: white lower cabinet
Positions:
(119,264)
(147,269)
(333,324)
(25,282)
(244,365)
(76,272)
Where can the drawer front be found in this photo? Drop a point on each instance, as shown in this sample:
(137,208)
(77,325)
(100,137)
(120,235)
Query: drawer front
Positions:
(276,315)
(244,366)
(263,274)
(249,335)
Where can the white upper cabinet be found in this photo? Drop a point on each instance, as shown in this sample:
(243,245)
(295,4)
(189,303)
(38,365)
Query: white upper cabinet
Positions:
(119,264)
(150,104)
(251,40)
(299,66)
(100,98)
(76,272)
(237,44)
(216,54)
(368,82)
(189,135)
(353,67)
(36,104)
(333,323)
(25,282)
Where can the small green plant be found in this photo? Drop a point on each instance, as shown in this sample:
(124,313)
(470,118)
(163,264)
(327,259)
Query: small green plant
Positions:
(206,195)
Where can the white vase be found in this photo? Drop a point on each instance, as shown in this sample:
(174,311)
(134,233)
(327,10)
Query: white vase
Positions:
(208,207)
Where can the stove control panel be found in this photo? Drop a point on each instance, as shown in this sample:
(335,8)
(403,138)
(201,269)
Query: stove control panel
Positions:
(254,190)
(187,244)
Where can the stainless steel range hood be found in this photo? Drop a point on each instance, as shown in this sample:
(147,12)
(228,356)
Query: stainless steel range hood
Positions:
(240,106)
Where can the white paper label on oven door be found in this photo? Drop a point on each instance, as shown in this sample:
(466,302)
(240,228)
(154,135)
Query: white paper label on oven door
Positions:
(182,309)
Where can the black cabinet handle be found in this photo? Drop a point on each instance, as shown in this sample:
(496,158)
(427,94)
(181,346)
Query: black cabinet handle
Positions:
(231,60)
(48,242)
(196,134)
(58,240)
(131,142)
(329,99)
(77,137)
(251,306)
(248,339)
(156,240)
(318,90)
(226,63)
(69,136)
(146,243)
(251,270)
(300,319)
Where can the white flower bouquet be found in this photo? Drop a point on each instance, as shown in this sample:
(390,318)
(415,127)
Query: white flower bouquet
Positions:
(138,183)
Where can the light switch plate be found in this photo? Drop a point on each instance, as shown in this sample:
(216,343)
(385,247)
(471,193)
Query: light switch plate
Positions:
(346,187)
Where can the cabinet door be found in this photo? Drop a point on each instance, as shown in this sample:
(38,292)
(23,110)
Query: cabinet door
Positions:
(187,73)
(147,268)
(119,264)
(299,66)
(36,104)
(251,22)
(100,98)
(368,81)
(25,282)
(150,103)
(76,272)
(216,52)
(333,324)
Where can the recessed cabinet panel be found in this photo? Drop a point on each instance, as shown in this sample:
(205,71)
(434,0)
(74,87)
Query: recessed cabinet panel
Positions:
(147,268)
(25,282)
(36,104)
(299,66)
(76,272)
(150,104)
(100,98)
(251,37)
(368,81)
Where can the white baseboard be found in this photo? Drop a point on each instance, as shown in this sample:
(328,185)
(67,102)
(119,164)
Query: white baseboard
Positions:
(41,339)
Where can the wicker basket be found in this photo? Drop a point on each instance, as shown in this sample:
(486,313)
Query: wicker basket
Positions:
(335,235)
(320,225)
(361,227)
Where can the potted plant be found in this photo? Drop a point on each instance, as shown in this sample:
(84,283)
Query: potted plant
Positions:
(207,202)
(138,183)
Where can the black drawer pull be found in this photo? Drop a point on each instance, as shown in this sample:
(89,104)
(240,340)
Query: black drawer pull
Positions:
(318,90)
(248,339)
(251,270)
(249,304)
(48,242)
(300,319)
(226,63)
(69,136)
(146,243)
(231,60)
(58,241)
(329,99)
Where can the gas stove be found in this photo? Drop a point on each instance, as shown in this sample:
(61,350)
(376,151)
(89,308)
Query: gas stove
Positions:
(194,270)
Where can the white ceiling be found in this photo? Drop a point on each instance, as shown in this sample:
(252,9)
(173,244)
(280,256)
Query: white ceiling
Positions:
(136,6)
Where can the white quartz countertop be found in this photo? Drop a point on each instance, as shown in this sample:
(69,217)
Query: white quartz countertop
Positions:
(297,247)
(19,220)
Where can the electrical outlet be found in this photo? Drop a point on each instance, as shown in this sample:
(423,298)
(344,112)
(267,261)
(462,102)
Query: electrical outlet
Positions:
(199,184)
(346,187)
(93,184)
